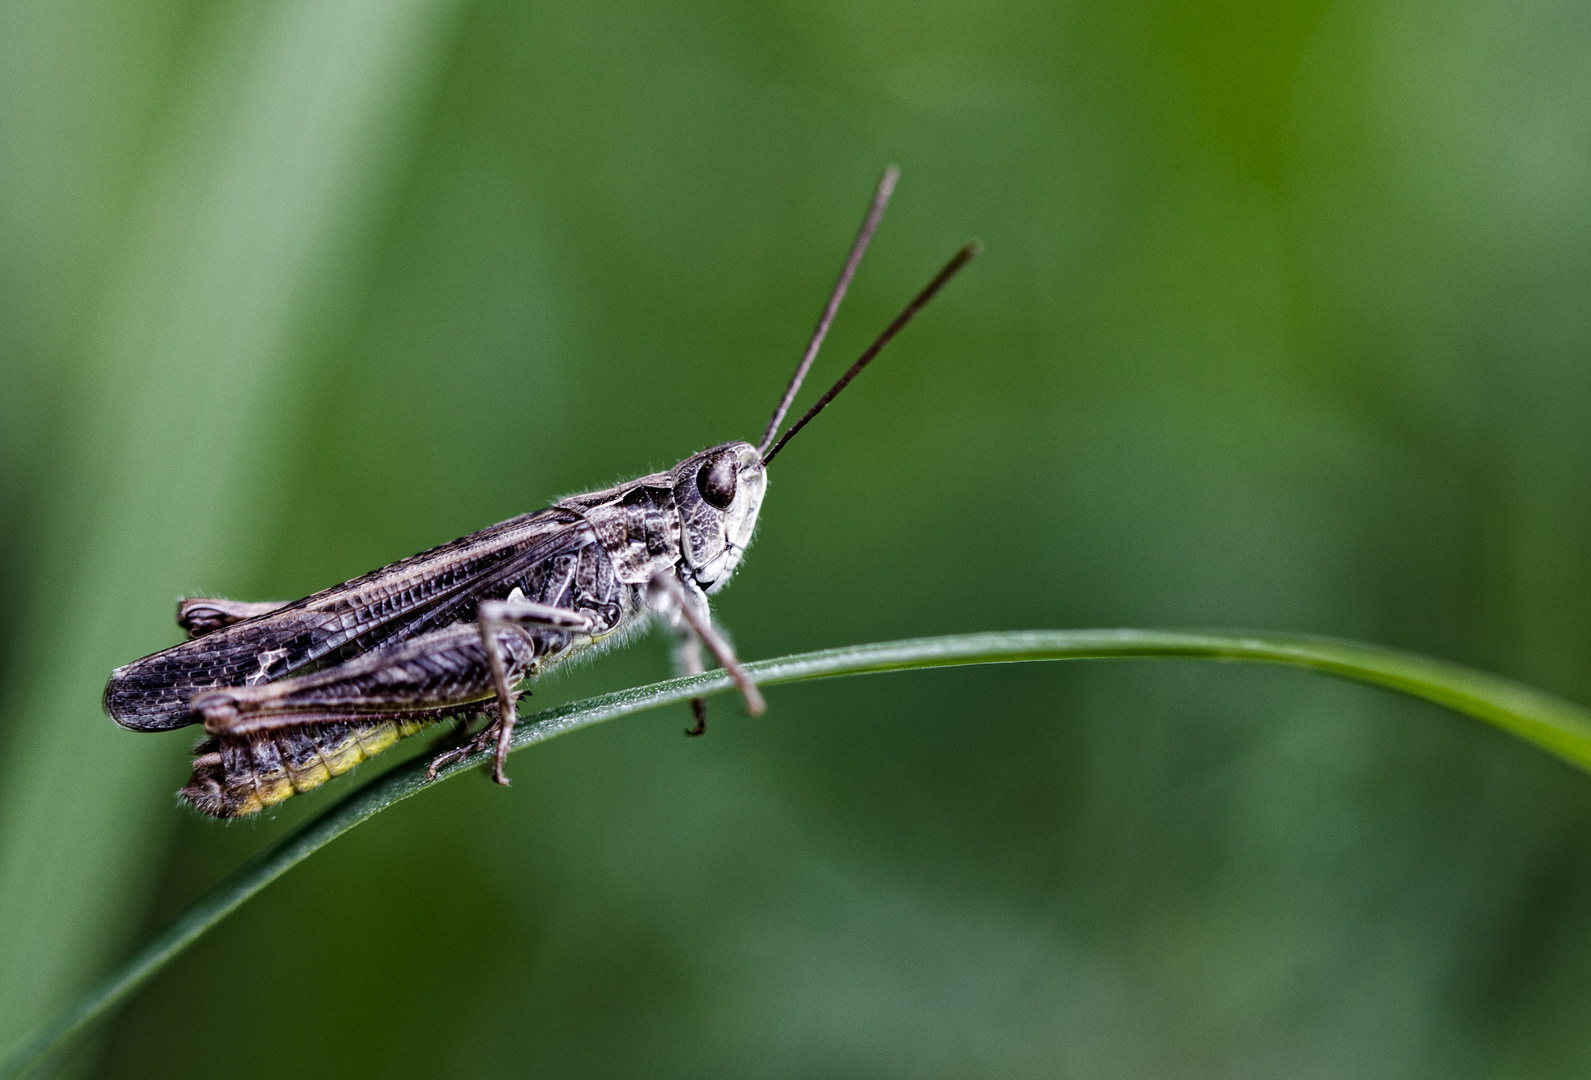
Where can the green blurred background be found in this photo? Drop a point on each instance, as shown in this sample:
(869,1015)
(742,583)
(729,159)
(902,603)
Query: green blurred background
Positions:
(1283,322)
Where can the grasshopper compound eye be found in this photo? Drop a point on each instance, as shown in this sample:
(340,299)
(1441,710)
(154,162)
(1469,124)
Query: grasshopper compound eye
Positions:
(716,481)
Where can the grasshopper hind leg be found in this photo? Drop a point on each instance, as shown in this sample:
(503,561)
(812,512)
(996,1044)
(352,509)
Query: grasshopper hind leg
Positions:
(278,738)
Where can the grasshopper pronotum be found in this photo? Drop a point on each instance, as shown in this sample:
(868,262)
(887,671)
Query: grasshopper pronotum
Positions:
(291,694)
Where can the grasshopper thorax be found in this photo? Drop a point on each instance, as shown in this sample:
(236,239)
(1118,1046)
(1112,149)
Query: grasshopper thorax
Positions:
(718,493)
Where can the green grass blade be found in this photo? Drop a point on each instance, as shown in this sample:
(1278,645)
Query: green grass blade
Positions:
(1555,725)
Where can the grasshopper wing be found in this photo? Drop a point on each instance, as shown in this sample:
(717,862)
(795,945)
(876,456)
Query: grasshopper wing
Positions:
(380,609)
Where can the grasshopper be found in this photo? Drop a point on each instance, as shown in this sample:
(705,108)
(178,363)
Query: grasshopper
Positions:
(291,694)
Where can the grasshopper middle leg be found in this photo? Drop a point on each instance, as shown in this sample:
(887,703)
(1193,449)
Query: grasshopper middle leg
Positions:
(493,616)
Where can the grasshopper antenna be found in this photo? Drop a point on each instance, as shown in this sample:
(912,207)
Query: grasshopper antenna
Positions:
(886,187)
(957,261)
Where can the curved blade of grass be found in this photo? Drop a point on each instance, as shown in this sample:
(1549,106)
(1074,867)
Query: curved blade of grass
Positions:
(223,248)
(1558,726)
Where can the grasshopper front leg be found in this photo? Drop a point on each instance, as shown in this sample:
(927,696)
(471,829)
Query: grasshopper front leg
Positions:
(672,598)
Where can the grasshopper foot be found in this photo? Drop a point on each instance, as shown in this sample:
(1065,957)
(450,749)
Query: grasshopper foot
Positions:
(504,733)
(699,707)
(444,759)
(470,744)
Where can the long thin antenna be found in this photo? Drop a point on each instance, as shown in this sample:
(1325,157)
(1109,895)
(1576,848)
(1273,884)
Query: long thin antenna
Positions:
(960,259)
(886,187)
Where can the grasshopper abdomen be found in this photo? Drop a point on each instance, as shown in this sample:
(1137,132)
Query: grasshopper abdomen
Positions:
(234,777)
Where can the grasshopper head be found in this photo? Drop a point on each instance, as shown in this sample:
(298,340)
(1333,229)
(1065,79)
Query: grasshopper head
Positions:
(718,493)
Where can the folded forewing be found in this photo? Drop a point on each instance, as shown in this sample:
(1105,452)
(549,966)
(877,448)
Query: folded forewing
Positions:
(375,611)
